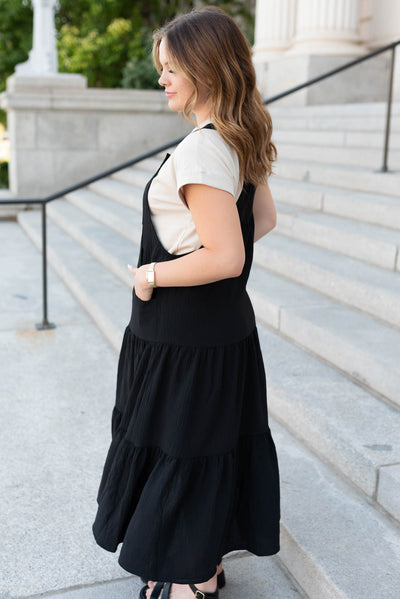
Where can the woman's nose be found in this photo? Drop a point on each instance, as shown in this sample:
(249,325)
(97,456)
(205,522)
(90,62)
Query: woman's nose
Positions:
(162,80)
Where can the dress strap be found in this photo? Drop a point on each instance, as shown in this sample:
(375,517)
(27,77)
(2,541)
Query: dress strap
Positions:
(208,126)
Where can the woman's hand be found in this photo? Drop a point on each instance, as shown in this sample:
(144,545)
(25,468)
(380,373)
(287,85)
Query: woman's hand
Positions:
(142,289)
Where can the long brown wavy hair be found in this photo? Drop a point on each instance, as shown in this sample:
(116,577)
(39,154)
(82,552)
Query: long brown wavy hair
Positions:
(208,47)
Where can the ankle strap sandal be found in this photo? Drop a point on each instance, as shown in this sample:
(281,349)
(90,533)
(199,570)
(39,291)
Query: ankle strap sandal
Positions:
(165,587)
(221,581)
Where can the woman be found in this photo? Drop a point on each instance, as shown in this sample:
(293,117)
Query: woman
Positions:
(191,473)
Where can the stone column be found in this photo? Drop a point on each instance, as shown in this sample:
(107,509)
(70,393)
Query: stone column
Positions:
(328,27)
(274,28)
(43,56)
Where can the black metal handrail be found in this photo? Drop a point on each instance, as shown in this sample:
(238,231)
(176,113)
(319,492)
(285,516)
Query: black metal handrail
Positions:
(45,324)
(344,67)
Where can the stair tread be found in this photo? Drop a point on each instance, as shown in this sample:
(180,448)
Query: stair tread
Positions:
(341,176)
(334,138)
(339,420)
(360,330)
(354,342)
(140,173)
(364,157)
(115,187)
(113,210)
(340,224)
(316,307)
(335,543)
(110,296)
(342,168)
(350,109)
(376,278)
(349,194)
(108,240)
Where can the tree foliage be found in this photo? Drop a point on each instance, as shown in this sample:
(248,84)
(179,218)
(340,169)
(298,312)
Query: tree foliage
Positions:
(108,41)
(16,23)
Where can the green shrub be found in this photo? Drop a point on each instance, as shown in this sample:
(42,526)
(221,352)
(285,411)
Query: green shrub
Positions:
(139,72)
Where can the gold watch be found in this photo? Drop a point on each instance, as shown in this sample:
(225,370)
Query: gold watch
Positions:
(151,275)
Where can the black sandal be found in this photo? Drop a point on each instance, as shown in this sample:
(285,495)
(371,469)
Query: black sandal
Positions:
(165,588)
(221,581)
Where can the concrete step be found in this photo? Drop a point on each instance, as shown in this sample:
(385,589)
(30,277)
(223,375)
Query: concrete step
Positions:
(117,216)
(348,110)
(91,283)
(297,381)
(337,139)
(357,344)
(128,194)
(338,420)
(112,249)
(150,165)
(138,175)
(340,117)
(372,244)
(363,207)
(362,286)
(352,124)
(366,157)
(355,179)
(335,544)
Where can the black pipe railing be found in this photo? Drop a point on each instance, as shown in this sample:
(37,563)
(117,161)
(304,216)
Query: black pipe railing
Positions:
(45,324)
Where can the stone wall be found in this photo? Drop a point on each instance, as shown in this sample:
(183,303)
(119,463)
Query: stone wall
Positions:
(62,132)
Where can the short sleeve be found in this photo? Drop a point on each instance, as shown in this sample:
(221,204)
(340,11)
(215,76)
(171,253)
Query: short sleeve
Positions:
(204,157)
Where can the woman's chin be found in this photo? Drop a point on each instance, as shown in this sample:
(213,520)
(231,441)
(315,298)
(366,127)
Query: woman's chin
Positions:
(172,104)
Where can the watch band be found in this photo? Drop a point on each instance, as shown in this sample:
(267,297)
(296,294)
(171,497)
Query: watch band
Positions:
(151,275)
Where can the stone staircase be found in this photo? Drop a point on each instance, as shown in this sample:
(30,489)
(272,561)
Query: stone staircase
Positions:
(325,286)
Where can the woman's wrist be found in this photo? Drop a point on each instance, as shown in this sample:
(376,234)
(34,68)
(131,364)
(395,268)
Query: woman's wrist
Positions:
(151,274)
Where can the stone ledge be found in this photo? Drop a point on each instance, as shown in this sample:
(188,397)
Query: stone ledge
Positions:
(18,83)
(388,490)
(44,97)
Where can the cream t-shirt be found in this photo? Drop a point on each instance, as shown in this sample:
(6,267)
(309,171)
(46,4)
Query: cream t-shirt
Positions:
(202,157)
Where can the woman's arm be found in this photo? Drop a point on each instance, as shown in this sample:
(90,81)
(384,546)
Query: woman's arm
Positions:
(264,211)
(217,223)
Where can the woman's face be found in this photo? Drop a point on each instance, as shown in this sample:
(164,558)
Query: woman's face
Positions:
(178,88)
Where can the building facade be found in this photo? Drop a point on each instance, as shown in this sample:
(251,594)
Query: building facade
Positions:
(299,39)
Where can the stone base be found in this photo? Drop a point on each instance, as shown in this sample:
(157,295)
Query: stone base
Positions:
(366,82)
(21,83)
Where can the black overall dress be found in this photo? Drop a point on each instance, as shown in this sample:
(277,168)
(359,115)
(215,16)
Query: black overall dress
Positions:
(191,472)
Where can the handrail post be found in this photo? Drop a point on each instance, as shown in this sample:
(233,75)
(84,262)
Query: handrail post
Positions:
(384,168)
(45,324)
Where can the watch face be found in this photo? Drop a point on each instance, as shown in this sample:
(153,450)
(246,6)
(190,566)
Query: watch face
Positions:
(150,277)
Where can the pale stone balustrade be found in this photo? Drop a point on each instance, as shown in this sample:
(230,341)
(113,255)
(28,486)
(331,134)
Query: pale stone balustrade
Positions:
(43,56)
